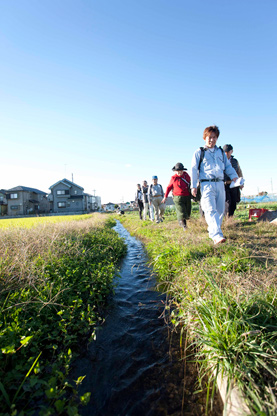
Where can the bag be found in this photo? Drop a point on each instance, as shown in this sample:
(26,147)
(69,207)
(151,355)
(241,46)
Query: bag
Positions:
(189,189)
(198,194)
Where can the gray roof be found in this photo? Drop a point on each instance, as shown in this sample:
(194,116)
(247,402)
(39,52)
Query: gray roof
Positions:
(25,188)
(67,183)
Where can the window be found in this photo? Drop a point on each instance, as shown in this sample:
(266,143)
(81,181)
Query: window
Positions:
(61,204)
(14,206)
(63,192)
(13,196)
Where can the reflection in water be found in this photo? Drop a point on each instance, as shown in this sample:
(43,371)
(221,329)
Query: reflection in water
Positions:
(128,368)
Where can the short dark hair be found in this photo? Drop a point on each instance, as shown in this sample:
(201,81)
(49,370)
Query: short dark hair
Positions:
(209,130)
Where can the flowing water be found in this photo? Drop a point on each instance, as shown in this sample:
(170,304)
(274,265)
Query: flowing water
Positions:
(131,369)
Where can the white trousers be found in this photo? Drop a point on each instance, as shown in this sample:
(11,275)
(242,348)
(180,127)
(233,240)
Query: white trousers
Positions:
(213,205)
(145,210)
(151,210)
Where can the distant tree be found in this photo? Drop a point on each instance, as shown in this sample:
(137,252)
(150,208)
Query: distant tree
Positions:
(262,193)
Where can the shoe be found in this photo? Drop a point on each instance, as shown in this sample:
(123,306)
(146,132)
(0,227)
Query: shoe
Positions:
(157,221)
(161,220)
(183,224)
(219,240)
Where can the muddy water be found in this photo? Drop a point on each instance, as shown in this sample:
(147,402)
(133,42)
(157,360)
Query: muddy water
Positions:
(132,368)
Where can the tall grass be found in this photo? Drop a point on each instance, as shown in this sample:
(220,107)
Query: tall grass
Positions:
(225,297)
(55,280)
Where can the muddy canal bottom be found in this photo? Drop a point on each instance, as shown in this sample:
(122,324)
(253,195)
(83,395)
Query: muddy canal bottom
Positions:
(134,367)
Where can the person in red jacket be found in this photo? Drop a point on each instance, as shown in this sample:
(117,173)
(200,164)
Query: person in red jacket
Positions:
(180,186)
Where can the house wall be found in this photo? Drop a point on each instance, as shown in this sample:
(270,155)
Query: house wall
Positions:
(44,204)
(15,205)
(70,204)
(22,205)
(109,207)
(98,202)
(3,204)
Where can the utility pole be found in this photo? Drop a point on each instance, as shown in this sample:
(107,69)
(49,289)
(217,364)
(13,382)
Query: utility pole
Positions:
(271,186)
(72,177)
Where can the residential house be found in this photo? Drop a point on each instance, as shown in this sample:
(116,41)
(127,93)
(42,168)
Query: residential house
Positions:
(67,196)
(92,203)
(109,206)
(3,202)
(97,203)
(88,202)
(22,200)
(123,206)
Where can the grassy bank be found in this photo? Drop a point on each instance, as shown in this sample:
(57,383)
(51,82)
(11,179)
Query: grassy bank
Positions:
(55,278)
(224,298)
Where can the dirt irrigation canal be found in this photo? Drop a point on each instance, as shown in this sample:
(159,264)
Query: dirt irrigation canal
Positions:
(134,367)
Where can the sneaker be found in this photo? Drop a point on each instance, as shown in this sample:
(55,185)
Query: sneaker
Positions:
(219,240)
(157,221)
(183,224)
(161,220)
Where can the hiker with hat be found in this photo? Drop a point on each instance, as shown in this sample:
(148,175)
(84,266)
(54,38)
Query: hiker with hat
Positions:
(180,186)
(156,195)
(232,194)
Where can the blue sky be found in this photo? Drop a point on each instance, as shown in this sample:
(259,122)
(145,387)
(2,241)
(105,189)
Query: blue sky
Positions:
(116,91)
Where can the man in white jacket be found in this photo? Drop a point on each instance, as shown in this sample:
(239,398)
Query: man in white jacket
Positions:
(210,173)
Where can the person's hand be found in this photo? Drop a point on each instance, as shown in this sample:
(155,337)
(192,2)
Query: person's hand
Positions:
(194,192)
(234,180)
(163,200)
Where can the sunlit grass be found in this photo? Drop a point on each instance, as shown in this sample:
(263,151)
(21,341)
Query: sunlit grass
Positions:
(225,297)
(35,221)
(55,279)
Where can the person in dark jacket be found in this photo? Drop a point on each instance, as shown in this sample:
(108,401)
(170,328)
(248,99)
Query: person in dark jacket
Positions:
(232,194)
(180,186)
(139,200)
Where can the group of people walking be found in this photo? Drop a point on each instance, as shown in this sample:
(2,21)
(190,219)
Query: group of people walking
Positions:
(213,170)
(150,198)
